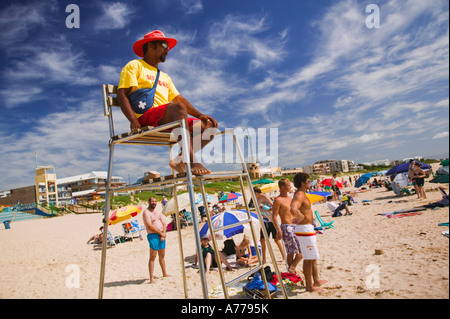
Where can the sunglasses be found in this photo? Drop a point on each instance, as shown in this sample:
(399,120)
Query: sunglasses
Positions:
(165,45)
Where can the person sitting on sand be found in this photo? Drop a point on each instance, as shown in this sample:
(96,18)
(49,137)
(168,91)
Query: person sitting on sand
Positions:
(336,208)
(96,239)
(209,257)
(242,257)
(168,104)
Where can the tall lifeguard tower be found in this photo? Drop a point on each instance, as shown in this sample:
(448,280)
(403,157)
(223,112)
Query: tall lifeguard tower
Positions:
(44,175)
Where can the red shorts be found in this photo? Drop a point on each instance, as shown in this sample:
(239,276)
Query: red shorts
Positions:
(152,116)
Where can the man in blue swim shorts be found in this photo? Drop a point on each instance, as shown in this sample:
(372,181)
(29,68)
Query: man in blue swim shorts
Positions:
(156,236)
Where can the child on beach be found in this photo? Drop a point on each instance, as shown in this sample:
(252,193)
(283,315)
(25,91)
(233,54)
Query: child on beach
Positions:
(241,257)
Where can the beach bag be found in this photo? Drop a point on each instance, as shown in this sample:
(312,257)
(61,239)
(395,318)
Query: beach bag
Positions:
(256,289)
(229,247)
(142,100)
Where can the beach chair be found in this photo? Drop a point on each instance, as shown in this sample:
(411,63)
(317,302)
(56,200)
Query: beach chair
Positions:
(111,240)
(322,223)
(169,135)
(131,228)
(186,218)
(136,227)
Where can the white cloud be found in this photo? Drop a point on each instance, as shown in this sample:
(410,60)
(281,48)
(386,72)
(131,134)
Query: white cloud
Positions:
(18,20)
(192,6)
(441,135)
(114,16)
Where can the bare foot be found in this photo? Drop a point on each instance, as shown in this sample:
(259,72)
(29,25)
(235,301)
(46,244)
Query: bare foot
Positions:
(320,283)
(292,270)
(199,169)
(177,166)
(314,289)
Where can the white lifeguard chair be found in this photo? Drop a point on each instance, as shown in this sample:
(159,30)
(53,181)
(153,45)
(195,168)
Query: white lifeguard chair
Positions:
(159,136)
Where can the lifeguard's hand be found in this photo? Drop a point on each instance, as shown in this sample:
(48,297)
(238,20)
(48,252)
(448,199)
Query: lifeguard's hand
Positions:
(135,126)
(210,119)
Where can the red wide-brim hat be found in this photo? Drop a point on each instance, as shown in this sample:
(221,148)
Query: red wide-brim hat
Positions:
(149,37)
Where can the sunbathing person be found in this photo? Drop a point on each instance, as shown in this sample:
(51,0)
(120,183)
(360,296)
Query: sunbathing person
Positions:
(96,239)
(242,257)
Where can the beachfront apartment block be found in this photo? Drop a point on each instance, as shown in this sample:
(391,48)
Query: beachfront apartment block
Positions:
(48,188)
(85,184)
(331,166)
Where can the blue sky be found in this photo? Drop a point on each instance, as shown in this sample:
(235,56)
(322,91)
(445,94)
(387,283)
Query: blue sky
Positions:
(334,88)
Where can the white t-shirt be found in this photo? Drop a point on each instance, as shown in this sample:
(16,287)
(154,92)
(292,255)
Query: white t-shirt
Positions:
(332,206)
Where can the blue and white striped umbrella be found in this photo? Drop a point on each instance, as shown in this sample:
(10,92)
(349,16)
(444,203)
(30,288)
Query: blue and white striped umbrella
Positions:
(228,218)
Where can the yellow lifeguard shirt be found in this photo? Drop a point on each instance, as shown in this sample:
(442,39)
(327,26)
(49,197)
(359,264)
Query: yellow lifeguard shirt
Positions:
(138,74)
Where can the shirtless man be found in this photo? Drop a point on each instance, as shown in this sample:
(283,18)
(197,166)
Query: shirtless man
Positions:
(281,207)
(266,212)
(156,236)
(303,217)
(168,104)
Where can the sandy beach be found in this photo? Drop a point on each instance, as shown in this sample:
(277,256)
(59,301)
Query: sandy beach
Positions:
(47,258)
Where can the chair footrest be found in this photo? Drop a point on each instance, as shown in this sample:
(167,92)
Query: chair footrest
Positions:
(163,178)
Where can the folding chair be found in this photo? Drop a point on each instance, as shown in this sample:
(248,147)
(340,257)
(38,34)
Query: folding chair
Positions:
(322,223)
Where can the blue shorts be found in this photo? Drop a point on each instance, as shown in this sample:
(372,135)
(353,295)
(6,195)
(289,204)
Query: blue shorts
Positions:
(155,242)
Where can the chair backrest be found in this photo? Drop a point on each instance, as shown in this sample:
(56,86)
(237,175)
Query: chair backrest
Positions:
(135,224)
(109,101)
(127,227)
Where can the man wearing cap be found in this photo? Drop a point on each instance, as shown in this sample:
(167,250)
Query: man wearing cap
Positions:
(143,104)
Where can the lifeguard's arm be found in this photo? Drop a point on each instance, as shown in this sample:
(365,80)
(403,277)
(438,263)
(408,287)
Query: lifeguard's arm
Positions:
(296,203)
(125,106)
(191,110)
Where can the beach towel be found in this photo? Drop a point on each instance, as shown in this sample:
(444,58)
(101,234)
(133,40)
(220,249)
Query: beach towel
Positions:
(234,290)
(400,215)
(443,224)
(286,276)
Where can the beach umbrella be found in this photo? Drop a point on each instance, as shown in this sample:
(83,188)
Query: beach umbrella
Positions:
(403,167)
(124,213)
(269,188)
(184,202)
(315,197)
(363,179)
(228,218)
(445,162)
(327,182)
(230,196)
(263,181)
(199,201)
(442,175)
(402,180)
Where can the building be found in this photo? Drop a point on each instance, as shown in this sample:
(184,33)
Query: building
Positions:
(23,195)
(46,185)
(254,170)
(85,184)
(291,171)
